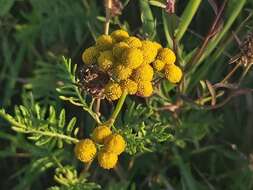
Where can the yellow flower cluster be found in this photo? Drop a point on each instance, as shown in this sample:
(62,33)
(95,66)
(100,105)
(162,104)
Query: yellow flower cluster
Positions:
(130,62)
(112,146)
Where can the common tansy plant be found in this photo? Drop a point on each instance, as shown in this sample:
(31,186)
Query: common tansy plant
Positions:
(131,65)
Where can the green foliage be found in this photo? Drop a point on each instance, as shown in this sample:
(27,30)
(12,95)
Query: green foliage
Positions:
(67,177)
(70,91)
(41,125)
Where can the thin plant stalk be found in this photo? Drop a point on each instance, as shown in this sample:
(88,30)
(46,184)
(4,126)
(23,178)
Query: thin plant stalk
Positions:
(108,6)
(186,18)
(118,108)
(230,74)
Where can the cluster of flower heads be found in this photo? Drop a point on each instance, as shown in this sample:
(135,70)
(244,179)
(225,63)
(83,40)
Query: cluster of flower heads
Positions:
(110,146)
(131,63)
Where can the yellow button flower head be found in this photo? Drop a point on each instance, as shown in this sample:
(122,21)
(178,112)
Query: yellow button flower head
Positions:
(158,65)
(149,50)
(173,73)
(107,160)
(132,58)
(100,133)
(119,48)
(129,85)
(104,42)
(121,72)
(133,42)
(115,143)
(119,35)
(105,60)
(85,150)
(112,91)
(90,55)
(157,45)
(167,55)
(145,89)
(143,73)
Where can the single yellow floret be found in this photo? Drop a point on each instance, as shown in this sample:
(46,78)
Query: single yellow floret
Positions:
(143,73)
(112,91)
(90,55)
(85,150)
(119,35)
(115,143)
(173,73)
(132,58)
(121,72)
(107,160)
(133,42)
(145,89)
(129,85)
(119,48)
(158,65)
(149,50)
(105,60)
(104,42)
(100,133)
(167,55)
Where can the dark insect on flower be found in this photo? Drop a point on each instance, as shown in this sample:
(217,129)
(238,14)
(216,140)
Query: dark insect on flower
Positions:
(92,80)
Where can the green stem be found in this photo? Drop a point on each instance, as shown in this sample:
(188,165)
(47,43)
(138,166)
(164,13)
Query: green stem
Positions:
(86,108)
(118,108)
(186,18)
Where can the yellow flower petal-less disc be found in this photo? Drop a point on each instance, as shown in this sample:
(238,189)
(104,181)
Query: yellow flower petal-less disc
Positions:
(167,56)
(121,72)
(149,50)
(107,160)
(85,150)
(105,60)
(145,89)
(104,42)
(119,35)
(90,55)
(112,91)
(132,58)
(100,133)
(115,143)
(129,85)
(158,65)
(143,73)
(119,48)
(133,42)
(173,73)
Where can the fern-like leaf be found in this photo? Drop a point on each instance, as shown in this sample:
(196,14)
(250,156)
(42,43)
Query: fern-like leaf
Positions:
(43,129)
